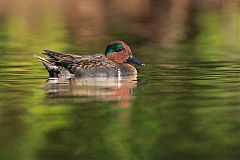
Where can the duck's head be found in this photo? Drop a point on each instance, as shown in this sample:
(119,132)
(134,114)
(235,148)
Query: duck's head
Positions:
(120,52)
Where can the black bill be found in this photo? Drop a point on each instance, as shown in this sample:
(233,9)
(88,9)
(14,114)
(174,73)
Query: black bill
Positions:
(134,60)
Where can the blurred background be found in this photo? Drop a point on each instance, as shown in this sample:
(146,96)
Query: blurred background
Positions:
(184,105)
(207,29)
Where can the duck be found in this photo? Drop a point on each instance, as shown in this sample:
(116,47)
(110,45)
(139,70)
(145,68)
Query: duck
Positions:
(117,61)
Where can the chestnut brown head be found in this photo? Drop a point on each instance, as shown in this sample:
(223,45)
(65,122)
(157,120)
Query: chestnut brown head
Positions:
(119,52)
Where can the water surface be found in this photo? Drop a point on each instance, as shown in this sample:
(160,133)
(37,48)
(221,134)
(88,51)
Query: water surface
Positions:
(187,110)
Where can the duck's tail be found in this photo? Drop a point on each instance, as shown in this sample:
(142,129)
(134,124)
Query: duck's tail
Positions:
(53,70)
(45,62)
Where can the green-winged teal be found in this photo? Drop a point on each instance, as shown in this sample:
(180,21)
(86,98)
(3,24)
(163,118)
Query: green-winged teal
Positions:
(115,63)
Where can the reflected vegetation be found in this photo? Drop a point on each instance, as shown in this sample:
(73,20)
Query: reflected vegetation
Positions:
(183,105)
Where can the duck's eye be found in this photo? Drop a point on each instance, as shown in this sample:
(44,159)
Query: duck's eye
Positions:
(119,49)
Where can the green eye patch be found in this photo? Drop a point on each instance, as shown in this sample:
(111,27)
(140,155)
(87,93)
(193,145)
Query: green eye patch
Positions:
(116,47)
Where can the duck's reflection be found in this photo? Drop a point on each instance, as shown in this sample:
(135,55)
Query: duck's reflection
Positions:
(78,90)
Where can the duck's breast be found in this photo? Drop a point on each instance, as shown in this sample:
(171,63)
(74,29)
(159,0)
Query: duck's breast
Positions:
(127,70)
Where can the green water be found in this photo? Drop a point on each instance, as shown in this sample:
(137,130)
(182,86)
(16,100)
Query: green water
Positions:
(184,104)
(188,110)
